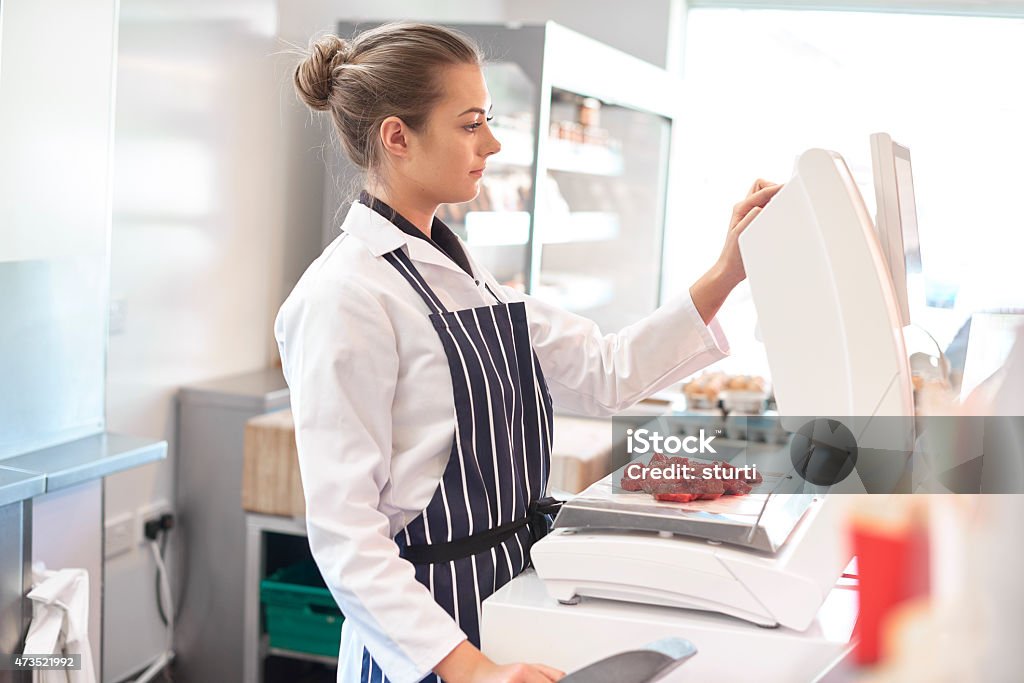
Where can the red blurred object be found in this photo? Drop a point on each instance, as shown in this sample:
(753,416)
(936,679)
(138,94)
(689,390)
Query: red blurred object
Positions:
(893,567)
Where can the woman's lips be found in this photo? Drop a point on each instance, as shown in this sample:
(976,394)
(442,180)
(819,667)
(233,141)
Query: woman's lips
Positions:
(478,173)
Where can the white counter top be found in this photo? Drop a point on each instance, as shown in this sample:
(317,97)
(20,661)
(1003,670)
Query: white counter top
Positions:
(521,623)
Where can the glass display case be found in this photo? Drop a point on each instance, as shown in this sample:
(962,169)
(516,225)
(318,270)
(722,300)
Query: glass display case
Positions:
(572,208)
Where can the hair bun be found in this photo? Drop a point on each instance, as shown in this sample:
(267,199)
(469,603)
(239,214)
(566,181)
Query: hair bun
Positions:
(314,76)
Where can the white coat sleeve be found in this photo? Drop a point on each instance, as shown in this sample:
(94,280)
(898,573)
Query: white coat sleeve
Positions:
(339,357)
(594,374)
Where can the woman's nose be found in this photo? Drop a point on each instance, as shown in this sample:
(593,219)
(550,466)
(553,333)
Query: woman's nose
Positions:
(494,145)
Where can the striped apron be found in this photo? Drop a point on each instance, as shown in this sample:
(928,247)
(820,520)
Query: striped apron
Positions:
(475,534)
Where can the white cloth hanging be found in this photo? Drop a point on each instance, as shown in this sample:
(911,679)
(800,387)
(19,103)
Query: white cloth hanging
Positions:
(60,622)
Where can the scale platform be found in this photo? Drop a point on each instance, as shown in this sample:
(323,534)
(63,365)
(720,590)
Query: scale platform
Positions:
(761,520)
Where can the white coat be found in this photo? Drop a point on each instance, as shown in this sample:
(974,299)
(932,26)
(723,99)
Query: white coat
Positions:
(371,396)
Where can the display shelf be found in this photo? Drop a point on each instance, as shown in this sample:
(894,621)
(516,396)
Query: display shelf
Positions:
(497,228)
(512,228)
(580,157)
(579,226)
(562,155)
(516,147)
(574,292)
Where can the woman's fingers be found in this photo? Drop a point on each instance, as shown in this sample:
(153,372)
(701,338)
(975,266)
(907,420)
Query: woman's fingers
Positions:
(758,199)
(551,673)
(761,197)
(731,261)
(527,673)
(532,673)
(759,184)
(742,225)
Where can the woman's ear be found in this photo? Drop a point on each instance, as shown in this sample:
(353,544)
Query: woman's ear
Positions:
(394,137)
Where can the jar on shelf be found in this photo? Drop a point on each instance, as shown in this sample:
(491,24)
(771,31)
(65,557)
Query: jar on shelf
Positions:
(589,112)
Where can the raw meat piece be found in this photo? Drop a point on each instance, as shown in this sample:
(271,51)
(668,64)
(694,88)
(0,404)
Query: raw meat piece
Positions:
(676,497)
(683,489)
(733,487)
(736,487)
(756,479)
(628,484)
(695,486)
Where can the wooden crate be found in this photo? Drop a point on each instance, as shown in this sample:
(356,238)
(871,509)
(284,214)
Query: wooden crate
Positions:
(270,473)
(581,453)
(270,470)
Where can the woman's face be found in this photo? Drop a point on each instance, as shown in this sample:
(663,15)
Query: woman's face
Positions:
(448,155)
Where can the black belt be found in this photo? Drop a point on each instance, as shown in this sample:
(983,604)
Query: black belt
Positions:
(433,553)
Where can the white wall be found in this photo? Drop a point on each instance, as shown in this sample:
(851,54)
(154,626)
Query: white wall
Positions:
(56,108)
(197,239)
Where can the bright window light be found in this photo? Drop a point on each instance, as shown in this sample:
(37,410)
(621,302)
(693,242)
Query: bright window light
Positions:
(765,85)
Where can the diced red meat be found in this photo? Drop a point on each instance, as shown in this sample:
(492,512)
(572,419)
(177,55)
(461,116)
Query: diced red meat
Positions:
(631,484)
(676,497)
(660,460)
(736,487)
(756,479)
(682,489)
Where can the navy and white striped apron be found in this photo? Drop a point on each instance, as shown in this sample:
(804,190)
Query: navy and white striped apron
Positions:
(475,534)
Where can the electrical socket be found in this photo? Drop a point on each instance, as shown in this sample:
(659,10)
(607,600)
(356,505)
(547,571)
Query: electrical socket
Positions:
(147,512)
(118,538)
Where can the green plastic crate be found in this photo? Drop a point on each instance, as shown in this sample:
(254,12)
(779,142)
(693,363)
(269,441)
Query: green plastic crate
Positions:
(301,614)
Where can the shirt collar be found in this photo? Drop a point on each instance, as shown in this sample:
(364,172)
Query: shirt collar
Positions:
(381,236)
(373,230)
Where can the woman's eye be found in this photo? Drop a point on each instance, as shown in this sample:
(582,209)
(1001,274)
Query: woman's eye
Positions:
(473,126)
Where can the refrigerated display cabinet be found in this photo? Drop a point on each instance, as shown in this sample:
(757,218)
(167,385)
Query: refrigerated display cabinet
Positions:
(572,210)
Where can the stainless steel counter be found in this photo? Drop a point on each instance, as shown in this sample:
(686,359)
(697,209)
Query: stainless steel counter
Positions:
(18,485)
(58,467)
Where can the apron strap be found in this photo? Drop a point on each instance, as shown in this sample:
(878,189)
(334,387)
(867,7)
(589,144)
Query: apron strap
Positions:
(438,553)
(403,264)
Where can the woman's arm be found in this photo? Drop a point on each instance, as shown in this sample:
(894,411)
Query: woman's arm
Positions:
(711,289)
(340,359)
(601,375)
(594,374)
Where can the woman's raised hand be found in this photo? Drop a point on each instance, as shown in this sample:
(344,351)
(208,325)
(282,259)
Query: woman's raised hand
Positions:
(710,290)
(730,262)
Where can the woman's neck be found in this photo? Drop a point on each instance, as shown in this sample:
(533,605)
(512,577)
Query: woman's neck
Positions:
(416,210)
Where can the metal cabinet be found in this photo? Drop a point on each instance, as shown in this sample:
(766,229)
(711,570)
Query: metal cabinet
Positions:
(572,209)
(212,528)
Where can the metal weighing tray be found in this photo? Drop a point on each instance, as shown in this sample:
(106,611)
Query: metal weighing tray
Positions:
(761,520)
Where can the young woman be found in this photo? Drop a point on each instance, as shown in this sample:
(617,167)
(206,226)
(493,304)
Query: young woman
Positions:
(422,389)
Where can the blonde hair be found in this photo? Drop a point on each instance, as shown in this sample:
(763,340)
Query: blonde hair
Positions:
(392,70)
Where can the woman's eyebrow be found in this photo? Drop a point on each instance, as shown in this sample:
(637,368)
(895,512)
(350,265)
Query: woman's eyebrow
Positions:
(477,110)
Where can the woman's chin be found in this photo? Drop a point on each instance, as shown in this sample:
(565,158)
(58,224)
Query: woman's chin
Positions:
(468,194)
